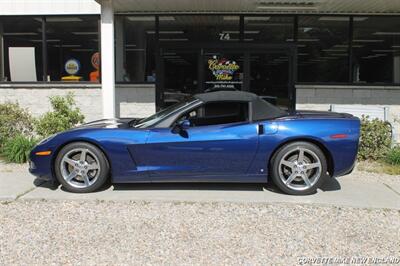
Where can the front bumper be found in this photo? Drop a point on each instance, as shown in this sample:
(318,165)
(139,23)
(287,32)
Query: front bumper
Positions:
(40,166)
(39,173)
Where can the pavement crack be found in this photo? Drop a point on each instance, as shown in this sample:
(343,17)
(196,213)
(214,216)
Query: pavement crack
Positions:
(29,190)
(392,189)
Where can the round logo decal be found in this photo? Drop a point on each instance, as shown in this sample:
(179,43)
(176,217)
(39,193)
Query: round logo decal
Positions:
(72,66)
(96,60)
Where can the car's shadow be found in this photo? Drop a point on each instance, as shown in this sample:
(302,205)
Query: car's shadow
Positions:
(330,185)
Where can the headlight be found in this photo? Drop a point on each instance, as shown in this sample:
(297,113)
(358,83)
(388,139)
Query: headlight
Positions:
(46,139)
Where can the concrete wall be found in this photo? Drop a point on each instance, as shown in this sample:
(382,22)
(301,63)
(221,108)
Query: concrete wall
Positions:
(317,97)
(132,100)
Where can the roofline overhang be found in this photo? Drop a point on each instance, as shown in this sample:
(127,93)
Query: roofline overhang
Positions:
(260,12)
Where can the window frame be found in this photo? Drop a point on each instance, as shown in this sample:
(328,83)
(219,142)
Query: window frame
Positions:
(185,112)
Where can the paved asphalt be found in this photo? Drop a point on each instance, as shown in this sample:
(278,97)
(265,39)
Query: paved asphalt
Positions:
(349,191)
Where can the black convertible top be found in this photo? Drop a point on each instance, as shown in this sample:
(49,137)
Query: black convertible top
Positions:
(261,109)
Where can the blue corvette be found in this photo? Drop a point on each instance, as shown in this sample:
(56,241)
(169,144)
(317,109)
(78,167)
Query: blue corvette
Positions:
(223,136)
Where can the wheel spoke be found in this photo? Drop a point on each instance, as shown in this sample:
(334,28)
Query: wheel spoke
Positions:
(290,178)
(300,159)
(71,176)
(83,155)
(70,161)
(306,180)
(288,164)
(312,165)
(93,166)
(86,179)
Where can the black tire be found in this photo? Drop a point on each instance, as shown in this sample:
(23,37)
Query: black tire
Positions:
(277,170)
(99,178)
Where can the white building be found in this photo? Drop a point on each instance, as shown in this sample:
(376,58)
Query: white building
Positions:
(306,54)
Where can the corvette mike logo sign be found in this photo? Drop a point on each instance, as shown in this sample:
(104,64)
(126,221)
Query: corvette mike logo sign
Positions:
(222,69)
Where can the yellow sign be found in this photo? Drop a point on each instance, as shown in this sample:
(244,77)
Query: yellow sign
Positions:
(223,69)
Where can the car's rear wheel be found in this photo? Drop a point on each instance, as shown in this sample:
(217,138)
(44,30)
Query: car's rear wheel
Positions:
(81,167)
(299,168)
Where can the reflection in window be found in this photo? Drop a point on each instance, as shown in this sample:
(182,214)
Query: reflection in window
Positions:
(376,50)
(181,69)
(218,113)
(323,49)
(72,38)
(199,28)
(135,49)
(22,51)
(269,77)
(268,29)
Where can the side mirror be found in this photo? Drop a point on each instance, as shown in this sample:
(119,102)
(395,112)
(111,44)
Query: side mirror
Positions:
(185,124)
(181,126)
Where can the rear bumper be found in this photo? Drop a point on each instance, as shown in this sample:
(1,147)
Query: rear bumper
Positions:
(347,171)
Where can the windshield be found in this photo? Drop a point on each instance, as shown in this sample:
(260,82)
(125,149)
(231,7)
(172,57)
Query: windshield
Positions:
(161,115)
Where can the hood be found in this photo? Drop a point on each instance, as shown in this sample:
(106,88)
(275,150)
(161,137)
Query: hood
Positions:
(110,123)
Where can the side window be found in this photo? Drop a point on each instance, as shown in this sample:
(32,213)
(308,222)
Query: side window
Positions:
(217,113)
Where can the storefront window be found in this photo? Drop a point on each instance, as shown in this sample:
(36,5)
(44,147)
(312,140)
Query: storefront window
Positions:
(72,44)
(323,49)
(268,29)
(135,49)
(21,54)
(376,50)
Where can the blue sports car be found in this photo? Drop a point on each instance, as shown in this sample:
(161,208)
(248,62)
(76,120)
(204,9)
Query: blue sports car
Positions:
(223,136)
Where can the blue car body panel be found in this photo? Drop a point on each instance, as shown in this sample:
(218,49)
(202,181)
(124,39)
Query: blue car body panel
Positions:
(238,152)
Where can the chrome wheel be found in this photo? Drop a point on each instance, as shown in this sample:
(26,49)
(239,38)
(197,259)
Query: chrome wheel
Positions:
(300,169)
(80,168)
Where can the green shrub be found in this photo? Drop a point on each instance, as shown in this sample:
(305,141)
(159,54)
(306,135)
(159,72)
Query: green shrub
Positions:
(14,120)
(393,156)
(65,115)
(17,149)
(375,139)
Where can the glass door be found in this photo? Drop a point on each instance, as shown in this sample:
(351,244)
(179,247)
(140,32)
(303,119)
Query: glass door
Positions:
(270,77)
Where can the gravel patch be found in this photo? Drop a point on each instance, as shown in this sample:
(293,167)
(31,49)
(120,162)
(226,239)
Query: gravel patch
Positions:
(368,176)
(90,233)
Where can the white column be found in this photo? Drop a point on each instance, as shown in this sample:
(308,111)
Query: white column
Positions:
(107,59)
(1,53)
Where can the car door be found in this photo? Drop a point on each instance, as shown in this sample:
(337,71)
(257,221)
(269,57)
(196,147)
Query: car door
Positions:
(202,152)
(214,150)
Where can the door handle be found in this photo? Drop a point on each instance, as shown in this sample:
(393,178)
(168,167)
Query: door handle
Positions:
(260,129)
(269,128)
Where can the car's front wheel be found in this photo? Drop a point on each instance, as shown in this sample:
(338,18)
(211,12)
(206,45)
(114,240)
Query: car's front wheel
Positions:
(299,168)
(81,167)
